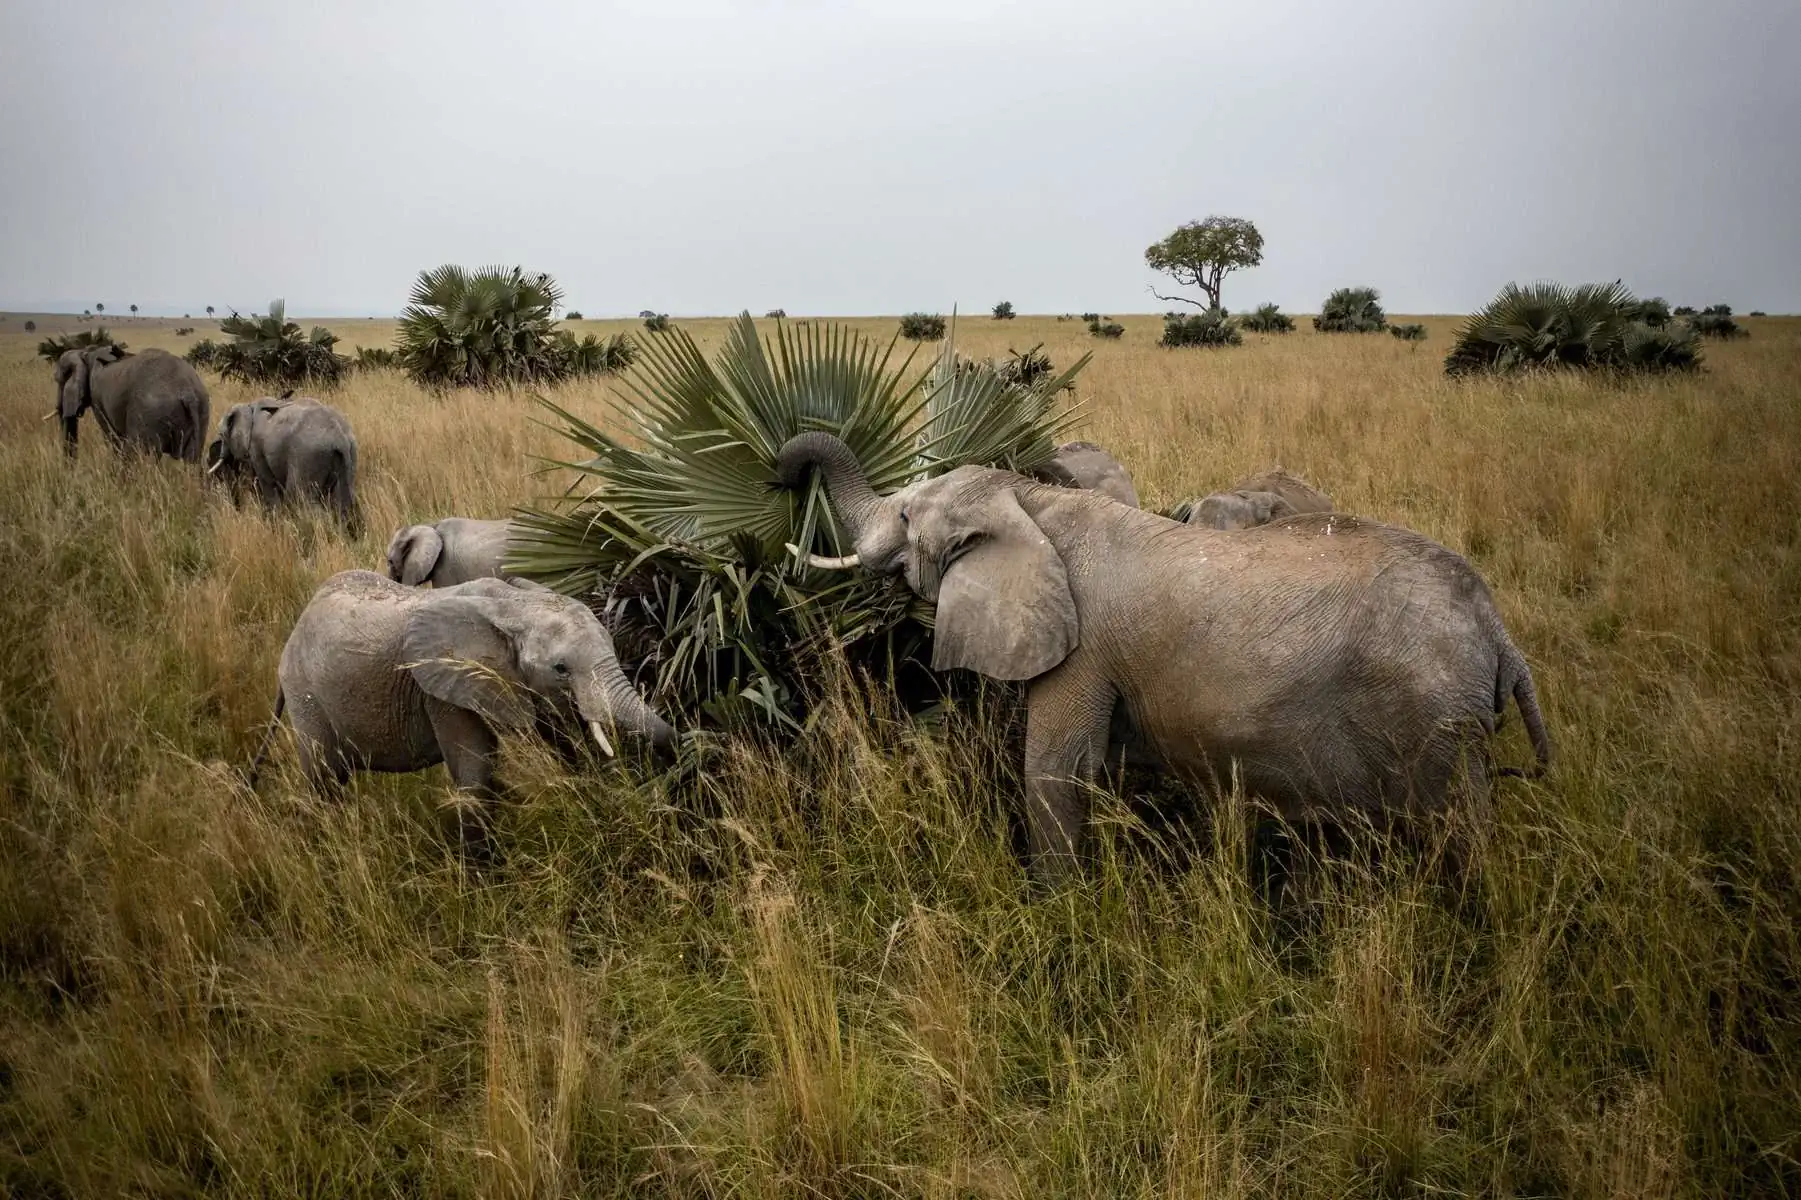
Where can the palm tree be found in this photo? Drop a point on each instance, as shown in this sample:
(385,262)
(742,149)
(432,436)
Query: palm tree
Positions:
(209,310)
(493,327)
(134,310)
(691,548)
(100,308)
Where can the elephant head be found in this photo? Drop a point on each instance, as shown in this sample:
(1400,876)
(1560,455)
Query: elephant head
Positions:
(964,542)
(1240,510)
(232,446)
(489,649)
(412,553)
(74,387)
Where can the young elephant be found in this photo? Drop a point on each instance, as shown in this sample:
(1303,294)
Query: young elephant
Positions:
(1336,663)
(152,400)
(290,448)
(455,550)
(381,677)
(1258,501)
(1086,465)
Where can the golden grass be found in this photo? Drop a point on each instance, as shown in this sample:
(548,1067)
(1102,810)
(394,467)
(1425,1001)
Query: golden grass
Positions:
(819,972)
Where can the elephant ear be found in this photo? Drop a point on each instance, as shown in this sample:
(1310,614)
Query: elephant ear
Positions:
(460,650)
(413,553)
(74,395)
(1004,606)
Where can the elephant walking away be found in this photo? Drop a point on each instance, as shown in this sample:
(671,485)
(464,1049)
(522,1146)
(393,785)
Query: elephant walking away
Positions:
(289,448)
(454,550)
(1338,664)
(149,399)
(1258,501)
(1086,465)
(378,676)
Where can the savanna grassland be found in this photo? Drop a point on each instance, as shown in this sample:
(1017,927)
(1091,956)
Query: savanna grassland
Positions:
(819,970)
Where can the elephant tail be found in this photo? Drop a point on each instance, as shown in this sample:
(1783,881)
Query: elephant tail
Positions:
(1514,678)
(343,488)
(262,751)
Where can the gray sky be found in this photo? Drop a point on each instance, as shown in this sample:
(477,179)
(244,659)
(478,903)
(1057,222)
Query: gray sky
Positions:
(850,158)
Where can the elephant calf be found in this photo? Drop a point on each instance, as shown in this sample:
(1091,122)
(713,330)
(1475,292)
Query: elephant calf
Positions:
(1086,465)
(1258,501)
(454,550)
(290,448)
(377,676)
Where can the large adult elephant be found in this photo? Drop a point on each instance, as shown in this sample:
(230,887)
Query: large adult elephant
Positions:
(289,448)
(378,676)
(1336,663)
(1086,465)
(150,399)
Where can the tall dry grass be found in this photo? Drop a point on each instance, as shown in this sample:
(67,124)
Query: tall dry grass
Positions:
(819,972)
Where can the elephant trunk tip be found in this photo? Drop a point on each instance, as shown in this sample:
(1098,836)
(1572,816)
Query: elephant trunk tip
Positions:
(805,450)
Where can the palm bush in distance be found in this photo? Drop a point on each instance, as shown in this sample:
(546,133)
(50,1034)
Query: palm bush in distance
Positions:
(1757,312)
(1092,318)
(1594,326)
(1654,312)
(1352,310)
(203,353)
(776,314)
(1409,333)
(657,322)
(376,358)
(1716,321)
(1269,318)
(1683,310)
(54,347)
(922,327)
(1004,311)
(485,328)
(681,538)
(1209,327)
(31,327)
(1111,329)
(184,331)
(273,351)
(573,315)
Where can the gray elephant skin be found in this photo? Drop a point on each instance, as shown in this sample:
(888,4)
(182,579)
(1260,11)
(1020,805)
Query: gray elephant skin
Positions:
(454,550)
(150,400)
(1086,465)
(1259,500)
(382,677)
(1337,664)
(289,448)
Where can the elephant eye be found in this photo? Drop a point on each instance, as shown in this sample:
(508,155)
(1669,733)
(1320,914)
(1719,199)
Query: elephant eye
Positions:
(561,668)
(904,517)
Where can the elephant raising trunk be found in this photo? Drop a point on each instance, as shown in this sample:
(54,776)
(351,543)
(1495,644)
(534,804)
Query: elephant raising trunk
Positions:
(853,501)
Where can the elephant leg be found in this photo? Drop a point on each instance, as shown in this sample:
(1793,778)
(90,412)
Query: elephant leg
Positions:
(1068,712)
(324,768)
(470,748)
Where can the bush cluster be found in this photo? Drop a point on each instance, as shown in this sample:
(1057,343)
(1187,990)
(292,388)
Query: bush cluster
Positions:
(1409,333)
(54,347)
(922,327)
(1210,327)
(1352,310)
(272,351)
(1268,318)
(1004,311)
(657,323)
(491,328)
(1107,329)
(1594,327)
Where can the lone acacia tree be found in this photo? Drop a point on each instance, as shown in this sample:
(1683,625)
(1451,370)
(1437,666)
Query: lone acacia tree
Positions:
(1201,253)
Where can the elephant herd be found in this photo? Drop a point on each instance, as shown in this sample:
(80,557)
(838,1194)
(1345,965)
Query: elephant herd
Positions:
(1324,662)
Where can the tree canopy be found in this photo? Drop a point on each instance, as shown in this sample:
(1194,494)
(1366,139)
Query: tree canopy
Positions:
(1201,254)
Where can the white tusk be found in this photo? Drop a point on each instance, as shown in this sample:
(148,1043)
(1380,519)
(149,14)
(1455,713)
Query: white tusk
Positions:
(822,562)
(215,466)
(600,735)
(51,415)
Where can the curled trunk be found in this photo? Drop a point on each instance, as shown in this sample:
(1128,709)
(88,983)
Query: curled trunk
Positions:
(853,500)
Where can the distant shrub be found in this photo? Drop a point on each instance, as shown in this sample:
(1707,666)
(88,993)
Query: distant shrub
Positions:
(1352,310)
(1209,327)
(204,353)
(1004,311)
(776,314)
(1268,318)
(1111,329)
(573,315)
(53,347)
(657,322)
(1654,312)
(1595,326)
(592,354)
(376,358)
(1409,333)
(184,330)
(922,327)
(646,313)
(1757,312)
(1683,310)
(271,350)
(1092,318)
(1716,321)
(1027,367)
(31,327)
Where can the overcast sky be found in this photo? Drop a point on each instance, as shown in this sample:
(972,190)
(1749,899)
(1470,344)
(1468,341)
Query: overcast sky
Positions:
(840,157)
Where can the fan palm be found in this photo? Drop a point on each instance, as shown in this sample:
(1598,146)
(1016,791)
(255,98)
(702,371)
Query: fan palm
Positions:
(271,349)
(683,538)
(54,347)
(1594,325)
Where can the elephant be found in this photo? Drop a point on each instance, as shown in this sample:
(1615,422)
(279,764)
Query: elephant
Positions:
(289,448)
(1338,665)
(454,550)
(149,399)
(379,676)
(1086,465)
(1258,501)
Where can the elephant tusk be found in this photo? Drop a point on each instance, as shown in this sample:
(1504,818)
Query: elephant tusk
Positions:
(215,467)
(51,415)
(822,562)
(600,735)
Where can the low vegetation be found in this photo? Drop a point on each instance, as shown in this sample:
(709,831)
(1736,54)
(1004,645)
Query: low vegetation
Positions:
(1214,327)
(271,351)
(493,328)
(573,315)
(1352,310)
(1268,318)
(1106,329)
(1716,321)
(1004,311)
(54,346)
(1590,327)
(922,327)
(657,323)
(1412,332)
(776,314)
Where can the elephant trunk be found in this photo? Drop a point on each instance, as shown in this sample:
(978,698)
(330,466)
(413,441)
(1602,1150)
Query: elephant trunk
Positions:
(612,701)
(853,500)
